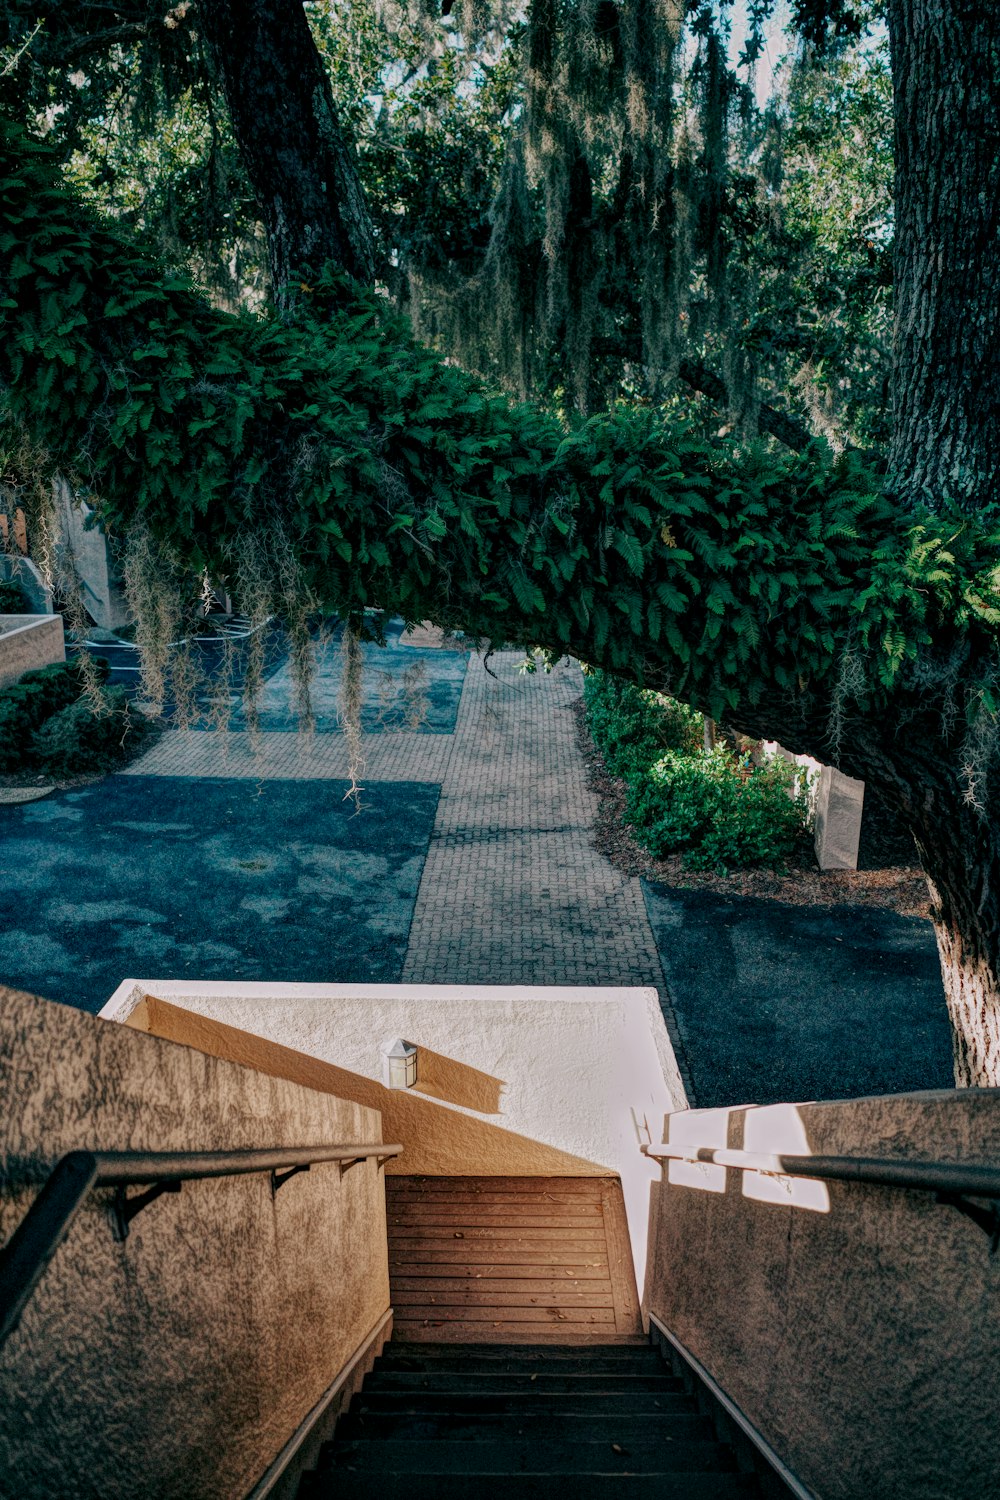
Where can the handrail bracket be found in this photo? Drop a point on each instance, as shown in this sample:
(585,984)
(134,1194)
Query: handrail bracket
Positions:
(278,1179)
(986,1215)
(123,1209)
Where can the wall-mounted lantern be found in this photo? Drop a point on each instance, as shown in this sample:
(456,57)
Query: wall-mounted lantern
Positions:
(402,1064)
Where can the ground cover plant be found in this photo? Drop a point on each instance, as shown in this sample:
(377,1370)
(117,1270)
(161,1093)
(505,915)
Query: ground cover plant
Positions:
(13,600)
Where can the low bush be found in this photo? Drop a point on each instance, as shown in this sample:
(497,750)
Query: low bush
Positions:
(81,738)
(13,599)
(48,724)
(632,726)
(714,807)
(716,810)
(27,703)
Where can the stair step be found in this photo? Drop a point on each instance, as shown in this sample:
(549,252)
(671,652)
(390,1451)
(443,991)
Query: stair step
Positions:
(543,1352)
(511,1456)
(514,1364)
(538,1383)
(478,1402)
(342,1484)
(620,1427)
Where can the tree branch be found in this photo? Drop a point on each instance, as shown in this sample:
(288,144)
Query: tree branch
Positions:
(778,424)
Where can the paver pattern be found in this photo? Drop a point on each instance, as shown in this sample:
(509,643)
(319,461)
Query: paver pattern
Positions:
(513,891)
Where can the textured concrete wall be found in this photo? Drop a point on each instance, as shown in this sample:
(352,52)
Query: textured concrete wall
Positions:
(840,804)
(858,1327)
(179,1363)
(27,642)
(439,1142)
(512,1079)
(103,598)
(21,570)
(836,803)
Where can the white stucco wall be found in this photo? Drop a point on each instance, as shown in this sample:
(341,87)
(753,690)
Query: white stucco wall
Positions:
(589,1072)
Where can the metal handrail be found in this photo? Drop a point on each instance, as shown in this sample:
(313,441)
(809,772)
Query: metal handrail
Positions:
(29,1250)
(954,1182)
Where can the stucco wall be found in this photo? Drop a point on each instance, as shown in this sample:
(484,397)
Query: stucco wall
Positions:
(857,1327)
(27,642)
(179,1363)
(102,594)
(511,1079)
(15,568)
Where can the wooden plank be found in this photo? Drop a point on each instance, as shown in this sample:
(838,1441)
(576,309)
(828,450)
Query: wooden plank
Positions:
(513,1223)
(526,1295)
(472,1249)
(497,1234)
(581,1334)
(627,1315)
(550,1314)
(443,1255)
(447,1195)
(543,1286)
(539,1205)
(493,1260)
(521,1185)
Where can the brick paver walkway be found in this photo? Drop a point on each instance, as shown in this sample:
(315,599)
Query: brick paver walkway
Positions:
(513,890)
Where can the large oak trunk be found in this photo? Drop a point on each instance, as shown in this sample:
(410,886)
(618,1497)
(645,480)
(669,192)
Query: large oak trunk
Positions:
(285,123)
(946,442)
(946,398)
(959,847)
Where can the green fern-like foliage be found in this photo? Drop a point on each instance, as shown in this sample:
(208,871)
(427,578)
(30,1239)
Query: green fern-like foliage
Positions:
(716,571)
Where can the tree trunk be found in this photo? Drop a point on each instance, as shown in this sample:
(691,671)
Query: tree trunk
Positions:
(946,347)
(285,123)
(946,441)
(959,849)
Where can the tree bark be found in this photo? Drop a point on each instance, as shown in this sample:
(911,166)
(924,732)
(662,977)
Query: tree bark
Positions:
(946,348)
(946,443)
(958,845)
(959,849)
(286,127)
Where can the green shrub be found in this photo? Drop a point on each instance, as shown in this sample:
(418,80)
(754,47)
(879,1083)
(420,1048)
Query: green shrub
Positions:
(716,810)
(13,599)
(27,703)
(29,706)
(78,739)
(632,726)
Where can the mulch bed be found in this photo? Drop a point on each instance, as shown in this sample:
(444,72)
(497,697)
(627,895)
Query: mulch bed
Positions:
(883,883)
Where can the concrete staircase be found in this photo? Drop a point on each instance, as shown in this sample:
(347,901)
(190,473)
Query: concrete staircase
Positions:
(490,1420)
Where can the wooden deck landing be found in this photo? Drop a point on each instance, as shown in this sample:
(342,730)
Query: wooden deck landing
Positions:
(501,1260)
